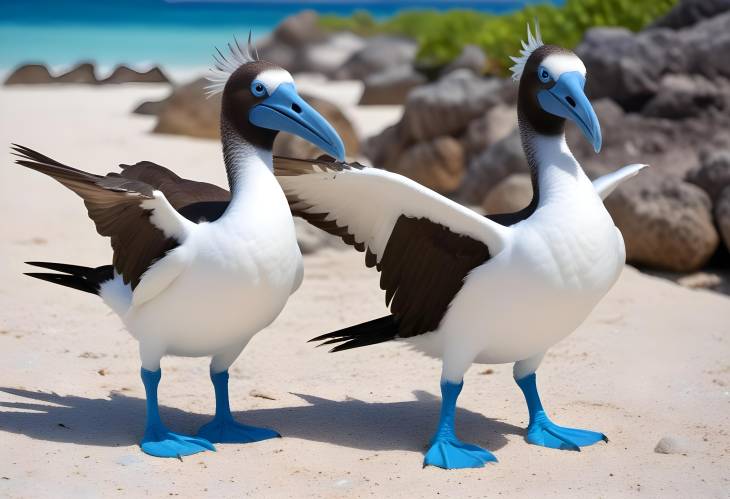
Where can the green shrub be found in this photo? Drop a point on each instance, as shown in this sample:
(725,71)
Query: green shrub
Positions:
(441,35)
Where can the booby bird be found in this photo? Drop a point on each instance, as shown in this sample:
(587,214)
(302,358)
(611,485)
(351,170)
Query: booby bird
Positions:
(197,271)
(467,288)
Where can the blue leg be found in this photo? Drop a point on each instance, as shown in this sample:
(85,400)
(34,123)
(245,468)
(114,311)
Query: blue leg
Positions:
(542,431)
(446,450)
(158,440)
(223,428)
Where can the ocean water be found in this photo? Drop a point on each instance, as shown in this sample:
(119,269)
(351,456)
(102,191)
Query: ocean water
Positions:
(180,35)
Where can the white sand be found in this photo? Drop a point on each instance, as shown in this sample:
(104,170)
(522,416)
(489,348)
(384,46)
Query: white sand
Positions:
(653,360)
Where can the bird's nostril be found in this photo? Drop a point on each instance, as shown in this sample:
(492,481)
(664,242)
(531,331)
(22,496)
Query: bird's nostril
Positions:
(295,107)
(570,101)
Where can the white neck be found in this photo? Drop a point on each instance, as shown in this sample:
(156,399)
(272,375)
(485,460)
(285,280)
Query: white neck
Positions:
(250,174)
(559,175)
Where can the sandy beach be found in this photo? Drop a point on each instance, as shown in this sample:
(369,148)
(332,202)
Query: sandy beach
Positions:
(652,361)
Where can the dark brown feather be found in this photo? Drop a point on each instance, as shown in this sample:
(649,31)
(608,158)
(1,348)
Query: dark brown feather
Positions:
(422,267)
(113,203)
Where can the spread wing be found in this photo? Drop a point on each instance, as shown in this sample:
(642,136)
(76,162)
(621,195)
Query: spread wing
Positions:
(132,208)
(606,184)
(423,244)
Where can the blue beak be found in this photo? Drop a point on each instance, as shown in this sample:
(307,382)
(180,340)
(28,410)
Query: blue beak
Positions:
(285,111)
(568,100)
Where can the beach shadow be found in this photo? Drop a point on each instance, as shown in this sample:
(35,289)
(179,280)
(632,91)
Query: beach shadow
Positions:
(376,426)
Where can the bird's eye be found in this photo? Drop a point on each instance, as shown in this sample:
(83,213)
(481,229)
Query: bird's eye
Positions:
(258,89)
(543,74)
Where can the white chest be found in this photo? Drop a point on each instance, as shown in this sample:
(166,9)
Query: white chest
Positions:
(239,272)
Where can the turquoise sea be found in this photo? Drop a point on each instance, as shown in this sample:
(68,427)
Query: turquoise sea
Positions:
(176,34)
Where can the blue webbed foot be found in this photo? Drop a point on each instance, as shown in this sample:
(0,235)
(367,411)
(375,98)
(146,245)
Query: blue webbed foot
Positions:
(544,432)
(452,453)
(228,431)
(160,442)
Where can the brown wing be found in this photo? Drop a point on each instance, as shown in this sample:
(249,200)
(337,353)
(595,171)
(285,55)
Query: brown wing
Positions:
(179,192)
(114,203)
(423,263)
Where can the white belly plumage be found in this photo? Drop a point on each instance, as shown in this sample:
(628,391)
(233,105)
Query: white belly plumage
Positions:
(534,293)
(232,288)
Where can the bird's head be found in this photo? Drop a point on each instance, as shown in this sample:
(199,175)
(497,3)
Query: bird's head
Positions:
(259,100)
(552,81)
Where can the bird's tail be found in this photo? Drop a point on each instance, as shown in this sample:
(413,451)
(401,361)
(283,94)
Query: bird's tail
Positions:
(360,335)
(86,279)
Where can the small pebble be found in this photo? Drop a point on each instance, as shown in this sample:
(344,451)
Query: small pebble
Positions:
(670,445)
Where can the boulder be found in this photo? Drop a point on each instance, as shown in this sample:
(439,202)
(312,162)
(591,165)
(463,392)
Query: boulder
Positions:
(666,222)
(82,73)
(385,148)
(510,195)
(187,111)
(124,74)
(485,131)
(379,53)
(669,146)
(391,86)
(150,107)
(299,29)
(436,164)
(689,12)
(621,65)
(328,56)
(713,174)
(722,215)
(293,146)
(447,106)
(627,67)
(471,58)
(489,168)
(681,96)
(29,74)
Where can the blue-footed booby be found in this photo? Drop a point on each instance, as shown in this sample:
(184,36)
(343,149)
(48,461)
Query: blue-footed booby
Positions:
(198,270)
(467,288)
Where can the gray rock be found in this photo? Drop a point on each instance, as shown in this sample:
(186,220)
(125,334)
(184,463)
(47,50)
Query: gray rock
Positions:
(489,129)
(326,57)
(150,108)
(713,174)
(447,106)
(689,12)
(670,445)
(669,146)
(384,149)
(29,74)
(489,168)
(510,195)
(722,215)
(666,223)
(124,74)
(682,96)
(438,164)
(471,58)
(299,29)
(378,54)
(82,73)
(391,86)
(627,67)
(621,65)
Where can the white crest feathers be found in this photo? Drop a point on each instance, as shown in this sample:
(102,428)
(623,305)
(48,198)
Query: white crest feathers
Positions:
(225,65)
(533,43)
